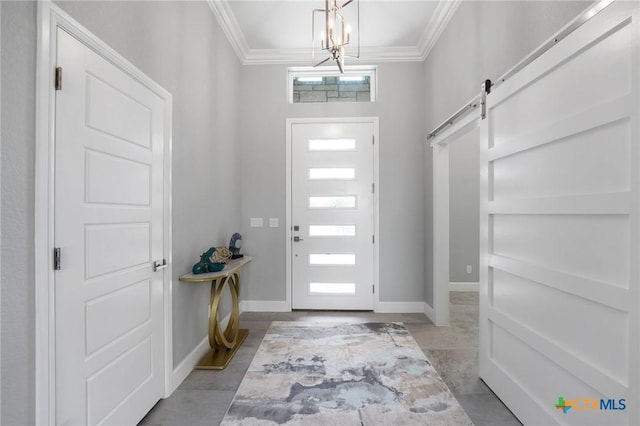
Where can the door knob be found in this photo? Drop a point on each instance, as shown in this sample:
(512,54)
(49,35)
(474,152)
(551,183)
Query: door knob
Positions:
(297,239)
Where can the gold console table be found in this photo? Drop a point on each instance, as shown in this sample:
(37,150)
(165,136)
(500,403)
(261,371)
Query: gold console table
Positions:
(224,344)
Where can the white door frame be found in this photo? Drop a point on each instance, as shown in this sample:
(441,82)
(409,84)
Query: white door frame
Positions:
(439,312)
(376,196)
(0,217)
(50,17)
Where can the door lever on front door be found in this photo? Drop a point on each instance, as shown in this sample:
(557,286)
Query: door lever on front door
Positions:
(157,265)
(297,239)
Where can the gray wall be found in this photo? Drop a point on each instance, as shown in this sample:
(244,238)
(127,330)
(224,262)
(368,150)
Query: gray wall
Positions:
(18,155)
(464,207)
(483,40)
(179,45)
(400,109)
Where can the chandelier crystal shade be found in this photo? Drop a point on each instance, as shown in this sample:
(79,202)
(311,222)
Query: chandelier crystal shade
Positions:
(336,33)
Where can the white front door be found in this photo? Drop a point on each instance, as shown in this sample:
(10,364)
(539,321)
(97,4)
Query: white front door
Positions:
(109,226)
(332,194)
(560,274)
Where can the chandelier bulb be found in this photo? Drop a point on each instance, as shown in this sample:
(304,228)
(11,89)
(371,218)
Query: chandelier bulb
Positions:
(337,32)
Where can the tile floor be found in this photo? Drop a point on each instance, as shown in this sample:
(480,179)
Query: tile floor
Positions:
(203,398)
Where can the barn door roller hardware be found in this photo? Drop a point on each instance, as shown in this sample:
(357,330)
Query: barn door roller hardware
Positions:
(468,107)
(488,84)
(486,89)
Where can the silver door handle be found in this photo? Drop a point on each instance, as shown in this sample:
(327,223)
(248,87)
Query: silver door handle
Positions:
(157,265)
(297,239)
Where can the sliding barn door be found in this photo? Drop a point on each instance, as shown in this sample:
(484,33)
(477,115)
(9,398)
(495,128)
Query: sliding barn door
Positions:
(560,231)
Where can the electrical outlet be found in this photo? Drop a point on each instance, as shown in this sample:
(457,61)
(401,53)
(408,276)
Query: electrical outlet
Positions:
(274,222)
(469,269)
(256,222)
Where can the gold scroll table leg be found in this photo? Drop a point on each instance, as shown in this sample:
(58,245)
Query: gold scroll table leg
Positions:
(224,344)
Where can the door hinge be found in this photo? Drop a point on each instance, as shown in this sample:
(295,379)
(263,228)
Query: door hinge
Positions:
(373,188)
(58,78)
(373,140)
(56,259)
(373,239)
(373,289)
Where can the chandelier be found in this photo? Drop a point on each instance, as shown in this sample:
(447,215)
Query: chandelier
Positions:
(336,34)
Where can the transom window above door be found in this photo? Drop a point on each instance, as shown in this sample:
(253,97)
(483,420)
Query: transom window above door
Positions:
(324,84)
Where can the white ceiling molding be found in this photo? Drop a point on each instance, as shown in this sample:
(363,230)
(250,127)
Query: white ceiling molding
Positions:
(278,56)
(303,56)
(438,22)
(223,13)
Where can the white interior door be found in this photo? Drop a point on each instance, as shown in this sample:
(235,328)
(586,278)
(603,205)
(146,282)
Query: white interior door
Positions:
(560,290)
(332,185)
(109,226)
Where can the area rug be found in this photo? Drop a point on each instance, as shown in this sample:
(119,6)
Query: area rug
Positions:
(342,374)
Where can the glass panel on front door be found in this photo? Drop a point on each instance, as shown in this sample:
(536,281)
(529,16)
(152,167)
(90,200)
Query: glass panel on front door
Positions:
(343,173)
(332,288)
(332,202)
(332,144)
(332,230)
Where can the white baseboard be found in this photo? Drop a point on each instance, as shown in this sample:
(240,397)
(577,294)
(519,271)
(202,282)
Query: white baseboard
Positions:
(188,363)
(464,286)
(283,306)
(400,307)
(264,306)
(430,313)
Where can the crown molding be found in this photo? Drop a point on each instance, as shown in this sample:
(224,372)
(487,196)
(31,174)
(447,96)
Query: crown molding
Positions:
(227,20)
(278,56)
(247,56)
(438,22)
(392,54)
(303,56)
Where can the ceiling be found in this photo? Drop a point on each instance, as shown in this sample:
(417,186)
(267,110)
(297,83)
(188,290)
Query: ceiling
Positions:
(279,31)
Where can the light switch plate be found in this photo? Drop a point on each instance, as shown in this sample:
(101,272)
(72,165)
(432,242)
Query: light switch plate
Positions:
(274,222)
(256,222)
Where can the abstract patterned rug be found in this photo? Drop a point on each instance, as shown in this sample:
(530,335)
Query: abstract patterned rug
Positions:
(342,374)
